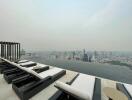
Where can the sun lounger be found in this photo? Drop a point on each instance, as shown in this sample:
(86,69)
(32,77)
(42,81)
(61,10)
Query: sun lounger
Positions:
(14,66)
(28,86)
(84,87)
(18,67)
(126,89)
(8,65)
(19,72)
(2,66)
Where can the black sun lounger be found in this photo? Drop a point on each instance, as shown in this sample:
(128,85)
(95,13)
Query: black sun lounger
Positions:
(8,65)
(23,63)
(84,87)
(5,65)
(12,66)
(17,73)
(29,85)
(126,89)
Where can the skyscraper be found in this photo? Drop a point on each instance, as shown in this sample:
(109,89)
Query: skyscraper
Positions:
(85,56)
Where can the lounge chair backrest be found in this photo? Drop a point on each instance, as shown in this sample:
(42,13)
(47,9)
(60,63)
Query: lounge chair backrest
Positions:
(128,88)
(50,72)
(72,91)
(84,84)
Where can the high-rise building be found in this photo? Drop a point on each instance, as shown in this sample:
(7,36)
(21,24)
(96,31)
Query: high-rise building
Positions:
(85,56)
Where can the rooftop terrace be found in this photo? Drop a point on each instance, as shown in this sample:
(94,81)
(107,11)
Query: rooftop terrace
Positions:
(7,93)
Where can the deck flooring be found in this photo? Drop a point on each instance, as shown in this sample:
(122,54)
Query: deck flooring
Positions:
(7,93)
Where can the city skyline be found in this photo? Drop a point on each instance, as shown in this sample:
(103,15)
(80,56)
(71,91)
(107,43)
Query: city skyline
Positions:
(67,25)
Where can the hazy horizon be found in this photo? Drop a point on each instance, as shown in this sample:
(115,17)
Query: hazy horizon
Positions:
(102,25)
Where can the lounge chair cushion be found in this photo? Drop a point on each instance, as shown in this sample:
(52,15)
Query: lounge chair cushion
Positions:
(50,72)
(31,72)
(85,84)
(28,63)
(30,68)
(128,88)
(73,91)
(39,65)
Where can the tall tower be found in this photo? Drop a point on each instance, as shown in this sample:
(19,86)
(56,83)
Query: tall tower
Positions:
(95,54)
(73,54)
(84,51)
(85,56)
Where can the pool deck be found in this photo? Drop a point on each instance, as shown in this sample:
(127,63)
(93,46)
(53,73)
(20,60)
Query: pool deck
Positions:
(7,93)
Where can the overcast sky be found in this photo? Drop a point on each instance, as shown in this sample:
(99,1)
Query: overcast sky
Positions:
(67,24)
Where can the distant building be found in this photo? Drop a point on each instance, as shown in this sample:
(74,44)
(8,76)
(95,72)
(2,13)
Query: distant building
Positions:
(95,54)
(73,54)
(93,59)
(85,56)
(22,52)
(90,58)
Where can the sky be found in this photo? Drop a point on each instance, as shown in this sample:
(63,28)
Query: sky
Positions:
(46,25)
